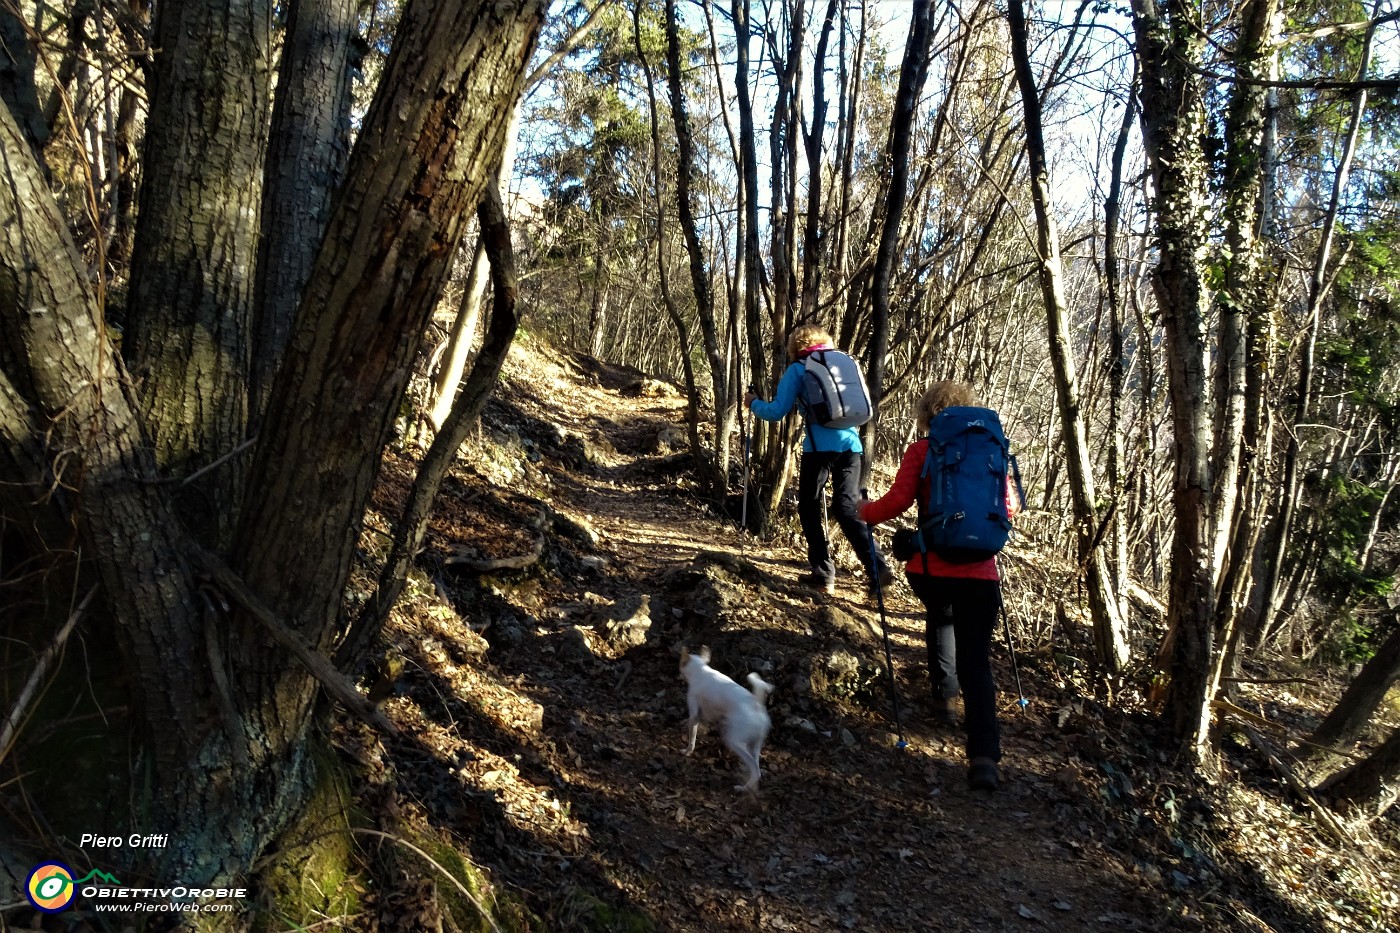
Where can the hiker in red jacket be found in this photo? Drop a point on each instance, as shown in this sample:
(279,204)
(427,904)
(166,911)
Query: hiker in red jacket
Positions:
(960,602)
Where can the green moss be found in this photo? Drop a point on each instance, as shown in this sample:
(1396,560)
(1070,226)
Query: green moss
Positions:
(508,911)
(319,875)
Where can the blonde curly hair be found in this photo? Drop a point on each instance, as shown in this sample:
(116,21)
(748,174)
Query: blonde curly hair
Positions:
(804,336)
(939,396)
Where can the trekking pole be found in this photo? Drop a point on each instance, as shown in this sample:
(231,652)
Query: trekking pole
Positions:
(1006,623)
(884,628)
(745,435)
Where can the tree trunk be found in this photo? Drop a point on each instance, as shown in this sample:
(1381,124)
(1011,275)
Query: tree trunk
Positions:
(189,304)
(306,157)
(1353,712)
(764,441)
(1367,788)
(62,379)
(466,409)
(912,72)
(227,760)
(711,469)
(17,88)
(1246,183)
(783,133)
(460,337)
(74,49)
(1243,193)
(1169,42)
(692,396)
(1110,630)
(598,308)
(1117,360)
(126,137)
(814,241)
(417,170)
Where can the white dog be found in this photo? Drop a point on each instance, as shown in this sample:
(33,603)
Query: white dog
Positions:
(714,698)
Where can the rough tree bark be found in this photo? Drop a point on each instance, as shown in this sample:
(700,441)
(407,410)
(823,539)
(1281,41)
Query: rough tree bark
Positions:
(189,305)
(466,409)
(428,143)
(306,157)
(229,766)
(1170,38)
(462,334)
(64,397)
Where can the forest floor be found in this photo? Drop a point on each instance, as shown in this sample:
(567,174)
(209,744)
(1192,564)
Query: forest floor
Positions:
(541,712)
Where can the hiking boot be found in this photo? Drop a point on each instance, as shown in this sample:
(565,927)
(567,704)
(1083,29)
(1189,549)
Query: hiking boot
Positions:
(941,712)
(823,585)
(982,774)
(886,580)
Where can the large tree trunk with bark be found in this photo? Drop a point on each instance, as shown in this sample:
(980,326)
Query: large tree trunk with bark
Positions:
(306,157)
(417,171)
(466,409)
(189,306)
(62,381)
(228,764)
(1169,42)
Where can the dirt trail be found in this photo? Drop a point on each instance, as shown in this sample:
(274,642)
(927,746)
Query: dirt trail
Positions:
(557,758)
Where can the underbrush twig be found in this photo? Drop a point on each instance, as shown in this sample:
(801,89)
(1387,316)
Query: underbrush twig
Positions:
(10,728)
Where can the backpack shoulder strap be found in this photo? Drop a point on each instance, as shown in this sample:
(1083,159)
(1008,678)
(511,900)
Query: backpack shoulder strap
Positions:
(922,504)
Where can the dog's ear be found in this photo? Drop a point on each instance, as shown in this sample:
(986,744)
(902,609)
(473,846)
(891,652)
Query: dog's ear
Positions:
(685,655)
(704,653)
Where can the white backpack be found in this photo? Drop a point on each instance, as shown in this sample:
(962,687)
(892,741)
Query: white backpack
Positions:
(833,390)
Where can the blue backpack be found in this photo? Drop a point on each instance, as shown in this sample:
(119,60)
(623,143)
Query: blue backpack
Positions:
(968,460)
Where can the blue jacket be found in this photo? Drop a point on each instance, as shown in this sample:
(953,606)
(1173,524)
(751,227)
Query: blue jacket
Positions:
(836,440)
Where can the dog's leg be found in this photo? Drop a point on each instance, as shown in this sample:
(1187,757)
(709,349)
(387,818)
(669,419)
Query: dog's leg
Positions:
(749,758)
(692,725)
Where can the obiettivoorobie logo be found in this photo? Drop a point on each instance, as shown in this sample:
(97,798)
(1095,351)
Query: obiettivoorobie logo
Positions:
(51,885)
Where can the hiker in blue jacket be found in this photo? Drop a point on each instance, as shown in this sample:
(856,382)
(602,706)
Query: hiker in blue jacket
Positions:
(833,453)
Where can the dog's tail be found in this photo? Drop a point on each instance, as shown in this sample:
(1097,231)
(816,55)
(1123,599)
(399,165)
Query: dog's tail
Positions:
(760,689)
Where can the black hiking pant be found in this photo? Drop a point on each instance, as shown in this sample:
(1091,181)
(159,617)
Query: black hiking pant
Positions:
(969,608)
(843,469)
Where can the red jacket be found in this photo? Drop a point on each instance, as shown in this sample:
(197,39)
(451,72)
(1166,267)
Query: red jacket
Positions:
(908,489)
